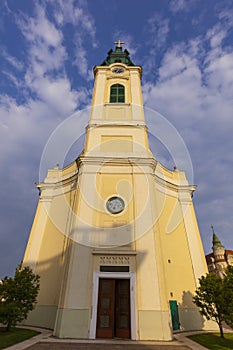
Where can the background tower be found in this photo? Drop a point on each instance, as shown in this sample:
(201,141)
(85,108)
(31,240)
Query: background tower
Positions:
(220,259)
(115,237)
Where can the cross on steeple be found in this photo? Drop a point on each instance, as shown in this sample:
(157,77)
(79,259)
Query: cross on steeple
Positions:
(118,43)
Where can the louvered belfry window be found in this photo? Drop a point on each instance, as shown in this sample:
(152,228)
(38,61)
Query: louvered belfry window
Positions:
(117,93)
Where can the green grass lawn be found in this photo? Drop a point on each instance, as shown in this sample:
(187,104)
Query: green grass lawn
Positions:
(14,336)
(213,341)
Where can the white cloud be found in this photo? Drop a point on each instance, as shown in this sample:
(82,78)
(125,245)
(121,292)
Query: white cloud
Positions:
(46,52)
(226,15)
(44,60)
(179,82)
(175,62)
(76,13)
(180,5)
(219,75)
(39,28)
(47,91)
(53,93)
(58,95)
(48,99)
(194,91)
(81,61)
(24,130)
(216,35)
(158,28)
(13,79)
(12,60)
(46,74)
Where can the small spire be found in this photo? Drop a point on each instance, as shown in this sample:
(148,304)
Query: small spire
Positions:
(216,240)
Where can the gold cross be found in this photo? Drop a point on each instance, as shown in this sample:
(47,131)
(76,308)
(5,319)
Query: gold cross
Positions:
(119,43)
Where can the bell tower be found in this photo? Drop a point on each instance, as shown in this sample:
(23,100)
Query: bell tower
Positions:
(115,237)
(117,107)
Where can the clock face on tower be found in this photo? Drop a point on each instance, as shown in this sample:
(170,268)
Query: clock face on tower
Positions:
(115,205)
(118,70)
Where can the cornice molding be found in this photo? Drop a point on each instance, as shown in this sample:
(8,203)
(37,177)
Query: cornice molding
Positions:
(118,77)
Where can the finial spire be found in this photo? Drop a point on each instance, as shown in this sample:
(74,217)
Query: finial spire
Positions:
(118,43)
(216,240)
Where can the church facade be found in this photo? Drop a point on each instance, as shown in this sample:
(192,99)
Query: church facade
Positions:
(115,237)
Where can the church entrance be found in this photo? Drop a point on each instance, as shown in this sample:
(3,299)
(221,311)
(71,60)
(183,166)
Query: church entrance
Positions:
(113,312)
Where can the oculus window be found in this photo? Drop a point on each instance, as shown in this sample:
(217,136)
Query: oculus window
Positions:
(117,93)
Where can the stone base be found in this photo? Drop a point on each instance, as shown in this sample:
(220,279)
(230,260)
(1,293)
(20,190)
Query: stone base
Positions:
(72,323)
(154,325)
(42,316)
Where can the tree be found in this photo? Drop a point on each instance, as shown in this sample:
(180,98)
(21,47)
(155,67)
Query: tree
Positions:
(214,297)
(18,296)
(228,296)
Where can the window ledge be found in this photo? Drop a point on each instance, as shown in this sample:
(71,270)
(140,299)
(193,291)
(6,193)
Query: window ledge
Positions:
(116,104)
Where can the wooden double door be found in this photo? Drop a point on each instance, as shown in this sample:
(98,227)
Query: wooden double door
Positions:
(113,313)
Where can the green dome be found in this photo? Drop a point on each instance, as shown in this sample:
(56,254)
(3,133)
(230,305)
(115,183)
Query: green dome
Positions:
(118,56)
(216,241)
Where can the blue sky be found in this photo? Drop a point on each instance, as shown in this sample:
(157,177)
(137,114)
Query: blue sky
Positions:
(47,53)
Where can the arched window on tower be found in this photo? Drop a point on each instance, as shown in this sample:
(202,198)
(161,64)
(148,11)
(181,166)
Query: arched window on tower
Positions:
(117,93)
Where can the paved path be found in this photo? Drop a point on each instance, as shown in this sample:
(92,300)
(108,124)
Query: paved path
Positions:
(45,341)
(91,346)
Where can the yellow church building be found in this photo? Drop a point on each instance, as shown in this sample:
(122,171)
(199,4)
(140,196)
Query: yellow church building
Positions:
(109,265)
